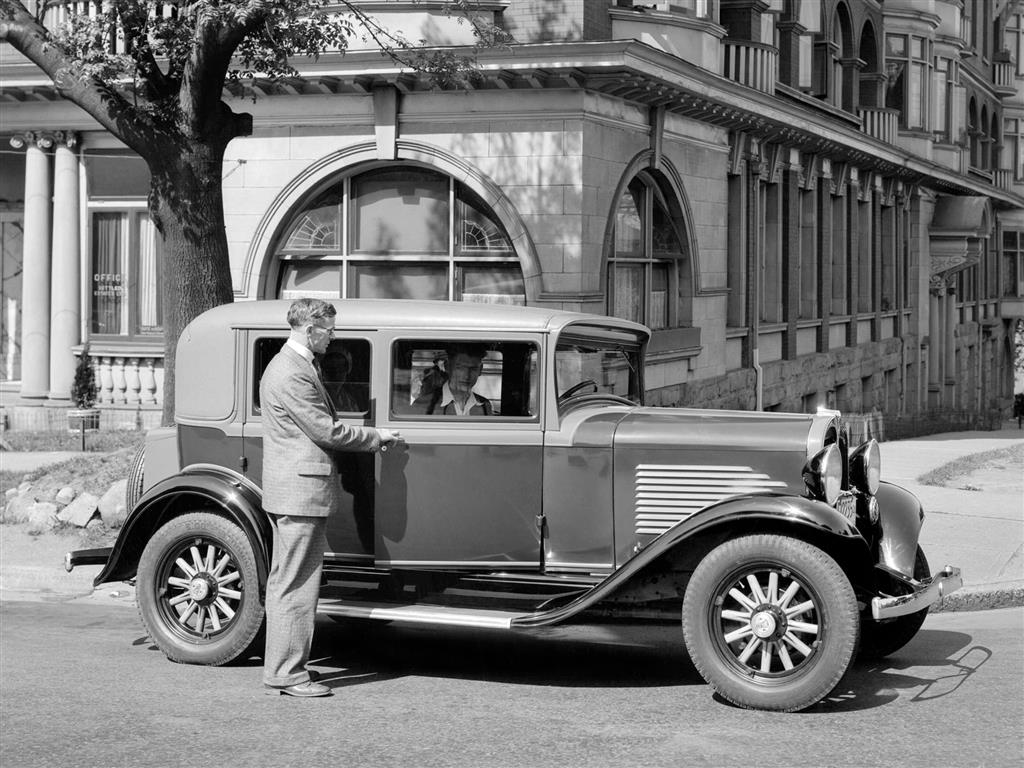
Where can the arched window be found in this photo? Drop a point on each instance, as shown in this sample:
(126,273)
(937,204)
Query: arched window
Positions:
(647,252)
(399,232)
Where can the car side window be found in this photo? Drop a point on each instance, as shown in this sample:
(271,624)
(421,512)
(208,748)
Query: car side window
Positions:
(345,367)
(450,379)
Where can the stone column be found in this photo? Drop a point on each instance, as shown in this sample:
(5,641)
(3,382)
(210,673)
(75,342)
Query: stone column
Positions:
(949,362)
(35,313)
(65,288)
(936,347)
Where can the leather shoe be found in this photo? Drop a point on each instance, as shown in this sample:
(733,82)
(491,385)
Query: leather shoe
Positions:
(308,689)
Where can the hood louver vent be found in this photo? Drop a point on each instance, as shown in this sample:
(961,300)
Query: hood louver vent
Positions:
(667,494)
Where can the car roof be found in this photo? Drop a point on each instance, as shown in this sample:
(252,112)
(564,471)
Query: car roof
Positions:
(207,343)
(404,313)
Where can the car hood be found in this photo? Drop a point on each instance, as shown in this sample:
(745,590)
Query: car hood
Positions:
(708,429)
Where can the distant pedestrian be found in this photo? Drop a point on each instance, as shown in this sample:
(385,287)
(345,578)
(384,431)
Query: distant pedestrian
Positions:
(301,487)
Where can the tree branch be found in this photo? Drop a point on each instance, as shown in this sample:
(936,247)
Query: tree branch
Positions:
(103,103)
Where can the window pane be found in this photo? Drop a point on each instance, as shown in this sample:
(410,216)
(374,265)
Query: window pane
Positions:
(895,45)
(628,230)
(659,295)
(483,380)
(400,212)
(346,368)
(312,280)
(479,233)
(149,285)
(493,284)
(915,104)
(665,237)
(109,261)
(400,280)
(316,228)
(628,291)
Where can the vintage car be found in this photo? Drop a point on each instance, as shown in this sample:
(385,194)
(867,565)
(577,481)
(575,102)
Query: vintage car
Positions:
(771,540)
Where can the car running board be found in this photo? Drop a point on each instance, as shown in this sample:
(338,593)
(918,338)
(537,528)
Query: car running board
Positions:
(420,614)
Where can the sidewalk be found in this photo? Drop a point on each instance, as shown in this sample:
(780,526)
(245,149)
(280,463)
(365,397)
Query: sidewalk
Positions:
(981,532)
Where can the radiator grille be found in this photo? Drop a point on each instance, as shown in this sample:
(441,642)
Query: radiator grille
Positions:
(846,505)
(667,494)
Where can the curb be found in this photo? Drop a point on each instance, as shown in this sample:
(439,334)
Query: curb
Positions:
(982,597)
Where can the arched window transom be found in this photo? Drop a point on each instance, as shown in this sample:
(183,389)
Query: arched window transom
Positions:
(398,232)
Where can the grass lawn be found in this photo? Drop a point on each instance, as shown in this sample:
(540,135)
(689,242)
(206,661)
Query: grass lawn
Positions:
(107,457)
(952,474)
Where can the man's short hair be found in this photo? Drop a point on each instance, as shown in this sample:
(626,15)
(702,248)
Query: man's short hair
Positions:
(305,311)
(471,350)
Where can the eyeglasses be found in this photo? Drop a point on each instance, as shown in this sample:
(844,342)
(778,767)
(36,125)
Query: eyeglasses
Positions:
(328,331)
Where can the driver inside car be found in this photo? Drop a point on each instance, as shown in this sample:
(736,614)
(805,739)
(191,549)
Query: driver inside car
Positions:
(455,397)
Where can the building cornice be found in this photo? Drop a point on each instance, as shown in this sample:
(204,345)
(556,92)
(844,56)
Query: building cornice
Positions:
(631,71)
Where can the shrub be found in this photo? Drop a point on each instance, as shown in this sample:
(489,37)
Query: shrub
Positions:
(83,390)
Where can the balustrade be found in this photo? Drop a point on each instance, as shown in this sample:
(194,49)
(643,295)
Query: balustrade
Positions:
(58,13)
(752,64)
(129,380)
(1004,78)
(880,123)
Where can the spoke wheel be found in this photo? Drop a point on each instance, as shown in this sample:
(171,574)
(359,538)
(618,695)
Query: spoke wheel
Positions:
(770,622)
(198,590)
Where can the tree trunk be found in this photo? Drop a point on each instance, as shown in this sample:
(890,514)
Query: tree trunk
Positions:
(186,205)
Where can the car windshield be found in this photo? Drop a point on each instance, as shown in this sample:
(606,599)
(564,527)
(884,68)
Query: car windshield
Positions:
(586,365)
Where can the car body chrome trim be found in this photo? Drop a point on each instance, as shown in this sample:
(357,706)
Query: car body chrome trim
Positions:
(419,614)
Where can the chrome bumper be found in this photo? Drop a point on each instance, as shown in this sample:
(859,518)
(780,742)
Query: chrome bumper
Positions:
(926,592)
(86,557)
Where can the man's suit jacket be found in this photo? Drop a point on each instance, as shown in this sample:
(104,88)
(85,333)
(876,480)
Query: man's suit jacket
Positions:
(300,434)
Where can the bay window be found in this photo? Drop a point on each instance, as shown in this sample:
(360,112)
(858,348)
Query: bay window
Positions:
(906,60)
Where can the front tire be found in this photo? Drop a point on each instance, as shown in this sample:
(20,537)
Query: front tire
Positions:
(880,638)
(770,622)
(198,590)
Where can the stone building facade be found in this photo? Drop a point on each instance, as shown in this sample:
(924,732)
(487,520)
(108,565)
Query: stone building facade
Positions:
(811,203)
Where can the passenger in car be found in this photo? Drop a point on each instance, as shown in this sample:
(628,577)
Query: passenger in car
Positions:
(455,397)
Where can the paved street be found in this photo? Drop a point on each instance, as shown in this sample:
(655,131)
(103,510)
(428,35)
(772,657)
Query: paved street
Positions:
(80,685)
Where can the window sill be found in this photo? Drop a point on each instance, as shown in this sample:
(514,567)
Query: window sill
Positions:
(138,346)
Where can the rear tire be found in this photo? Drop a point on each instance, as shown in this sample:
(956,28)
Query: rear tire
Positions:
(198,590)
(770,622)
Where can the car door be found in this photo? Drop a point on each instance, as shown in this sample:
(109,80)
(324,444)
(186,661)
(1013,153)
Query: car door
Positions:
(462,490)
(346,370)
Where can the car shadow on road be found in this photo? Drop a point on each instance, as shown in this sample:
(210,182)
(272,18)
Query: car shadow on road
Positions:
(354,653)
(936,664)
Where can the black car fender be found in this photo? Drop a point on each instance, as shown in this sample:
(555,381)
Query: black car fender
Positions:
(795,516)
(900,517)
(202,487)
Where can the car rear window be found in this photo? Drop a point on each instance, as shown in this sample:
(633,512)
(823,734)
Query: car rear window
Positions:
(345,366)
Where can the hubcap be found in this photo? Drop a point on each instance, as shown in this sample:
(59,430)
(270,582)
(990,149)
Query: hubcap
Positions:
(763,624)
(768,622)
(201,588)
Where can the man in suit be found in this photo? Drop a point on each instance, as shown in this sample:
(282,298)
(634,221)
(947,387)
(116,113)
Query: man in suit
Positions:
(301,487)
